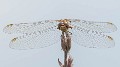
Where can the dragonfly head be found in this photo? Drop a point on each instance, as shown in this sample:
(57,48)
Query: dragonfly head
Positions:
(63,26)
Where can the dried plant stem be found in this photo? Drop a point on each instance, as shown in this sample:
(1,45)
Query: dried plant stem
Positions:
(67,61)
(65,58)
(66,45)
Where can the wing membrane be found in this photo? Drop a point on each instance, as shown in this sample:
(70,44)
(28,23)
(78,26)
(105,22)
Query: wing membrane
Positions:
(29,27)
(45,33)
(38,39)
(104,27)
(91,39)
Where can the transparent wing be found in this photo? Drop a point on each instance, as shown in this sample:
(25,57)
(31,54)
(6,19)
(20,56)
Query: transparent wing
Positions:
(38,39)
(29,27)
(91,39)
(104,27)
(35,35)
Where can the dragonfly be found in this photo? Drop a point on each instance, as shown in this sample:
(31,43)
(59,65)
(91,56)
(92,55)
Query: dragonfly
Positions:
(44,33)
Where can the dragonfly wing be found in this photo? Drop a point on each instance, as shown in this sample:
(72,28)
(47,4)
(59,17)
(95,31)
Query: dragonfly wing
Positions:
(105,27)
(28,27)
(38,39)
(91,38)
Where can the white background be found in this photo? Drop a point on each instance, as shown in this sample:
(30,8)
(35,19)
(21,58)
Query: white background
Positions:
(16,11)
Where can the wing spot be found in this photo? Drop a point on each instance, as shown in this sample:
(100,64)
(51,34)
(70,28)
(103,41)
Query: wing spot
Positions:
(110,38)
(110,23)
(10,25)
(14,39)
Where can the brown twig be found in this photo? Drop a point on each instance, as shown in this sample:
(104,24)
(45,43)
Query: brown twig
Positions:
(66,45)
(68,62)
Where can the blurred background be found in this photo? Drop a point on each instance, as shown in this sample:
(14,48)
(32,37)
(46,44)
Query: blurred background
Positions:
(17,11)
